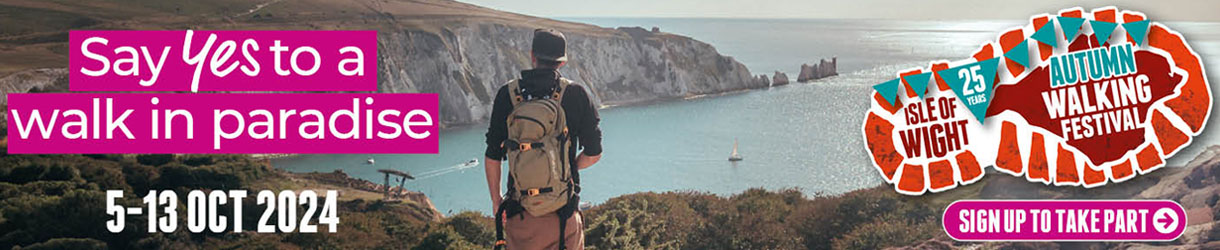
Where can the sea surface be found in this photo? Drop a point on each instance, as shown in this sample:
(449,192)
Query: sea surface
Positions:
(803,136)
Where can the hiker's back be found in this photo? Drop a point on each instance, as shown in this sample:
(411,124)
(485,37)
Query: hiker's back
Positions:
(537,146)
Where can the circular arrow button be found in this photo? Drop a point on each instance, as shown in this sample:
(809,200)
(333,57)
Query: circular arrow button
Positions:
(1165,220)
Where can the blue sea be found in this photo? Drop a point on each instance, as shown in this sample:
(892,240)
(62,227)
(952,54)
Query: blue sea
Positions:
(804,136)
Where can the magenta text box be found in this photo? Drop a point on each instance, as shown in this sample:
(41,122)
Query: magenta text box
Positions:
(101,60)
(393,123)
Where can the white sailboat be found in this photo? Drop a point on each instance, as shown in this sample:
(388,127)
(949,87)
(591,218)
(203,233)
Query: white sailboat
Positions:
(735,156)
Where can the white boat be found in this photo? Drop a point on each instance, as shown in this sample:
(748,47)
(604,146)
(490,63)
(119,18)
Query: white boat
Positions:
(371,161)
(735,156)
(473,162)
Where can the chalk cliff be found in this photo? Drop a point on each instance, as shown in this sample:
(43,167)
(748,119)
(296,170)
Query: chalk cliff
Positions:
(467,63)
(460,51)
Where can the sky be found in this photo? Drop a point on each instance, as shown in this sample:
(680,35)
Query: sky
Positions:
(1169,10)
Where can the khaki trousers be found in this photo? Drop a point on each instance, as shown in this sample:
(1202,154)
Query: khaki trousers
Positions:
(527,232)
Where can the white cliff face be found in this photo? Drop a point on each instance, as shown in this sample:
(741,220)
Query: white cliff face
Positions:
(34,80)
(465,64)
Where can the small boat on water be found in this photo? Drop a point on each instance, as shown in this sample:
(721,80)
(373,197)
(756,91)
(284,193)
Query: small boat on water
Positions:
(371,161)
(735,156)
(471,163)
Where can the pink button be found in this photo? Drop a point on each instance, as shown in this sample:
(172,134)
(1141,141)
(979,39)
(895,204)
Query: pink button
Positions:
(1064,220)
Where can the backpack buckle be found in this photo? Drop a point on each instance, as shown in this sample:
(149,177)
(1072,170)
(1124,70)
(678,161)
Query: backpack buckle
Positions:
(525,147)
(531,192)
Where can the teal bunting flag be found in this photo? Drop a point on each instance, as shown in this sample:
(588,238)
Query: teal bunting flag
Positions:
(1019,54)
(1070,26)
(1103,30)
(1046,34)
(889,90)
(1137,30)
(973,83)
(918,83)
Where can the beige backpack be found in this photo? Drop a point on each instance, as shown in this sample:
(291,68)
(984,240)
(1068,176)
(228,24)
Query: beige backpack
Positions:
(537,154)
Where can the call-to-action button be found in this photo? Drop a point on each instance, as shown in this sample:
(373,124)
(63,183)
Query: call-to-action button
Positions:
(1064,220)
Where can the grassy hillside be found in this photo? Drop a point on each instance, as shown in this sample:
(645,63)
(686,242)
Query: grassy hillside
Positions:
(57,201)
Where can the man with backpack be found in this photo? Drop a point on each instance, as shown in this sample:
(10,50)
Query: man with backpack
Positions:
(538,123)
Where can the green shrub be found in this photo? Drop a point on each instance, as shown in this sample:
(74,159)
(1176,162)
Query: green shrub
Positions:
(444,237)
(473,227)
(199,160)
(106,174)
(9,190)
(76,214)
(221,176)
(887,233)
(42,170)
(104,157)
(629,224)
(51,188)
(67,243)
(758,220)
(140,177)
(155,159)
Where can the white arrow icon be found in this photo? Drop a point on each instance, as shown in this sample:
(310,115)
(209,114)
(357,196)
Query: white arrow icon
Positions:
(1165,220)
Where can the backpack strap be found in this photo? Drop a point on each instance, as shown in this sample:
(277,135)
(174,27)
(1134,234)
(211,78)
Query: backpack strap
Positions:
(514,92)
(516,96)
(500,243)
(508,209)
(563,223)
(561,90)
(558,96)
(564,213)
(574,182)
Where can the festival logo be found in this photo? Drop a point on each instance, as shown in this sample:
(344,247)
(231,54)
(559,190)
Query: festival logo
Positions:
(1074,99)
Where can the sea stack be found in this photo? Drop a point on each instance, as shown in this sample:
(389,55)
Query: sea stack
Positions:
(824,68)
(779,79)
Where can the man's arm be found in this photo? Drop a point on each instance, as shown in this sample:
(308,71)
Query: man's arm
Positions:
(590,132)
(497,131)
(492,167)
(583,161)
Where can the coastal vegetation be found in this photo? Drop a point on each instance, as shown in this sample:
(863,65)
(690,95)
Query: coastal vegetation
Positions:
(57,201)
